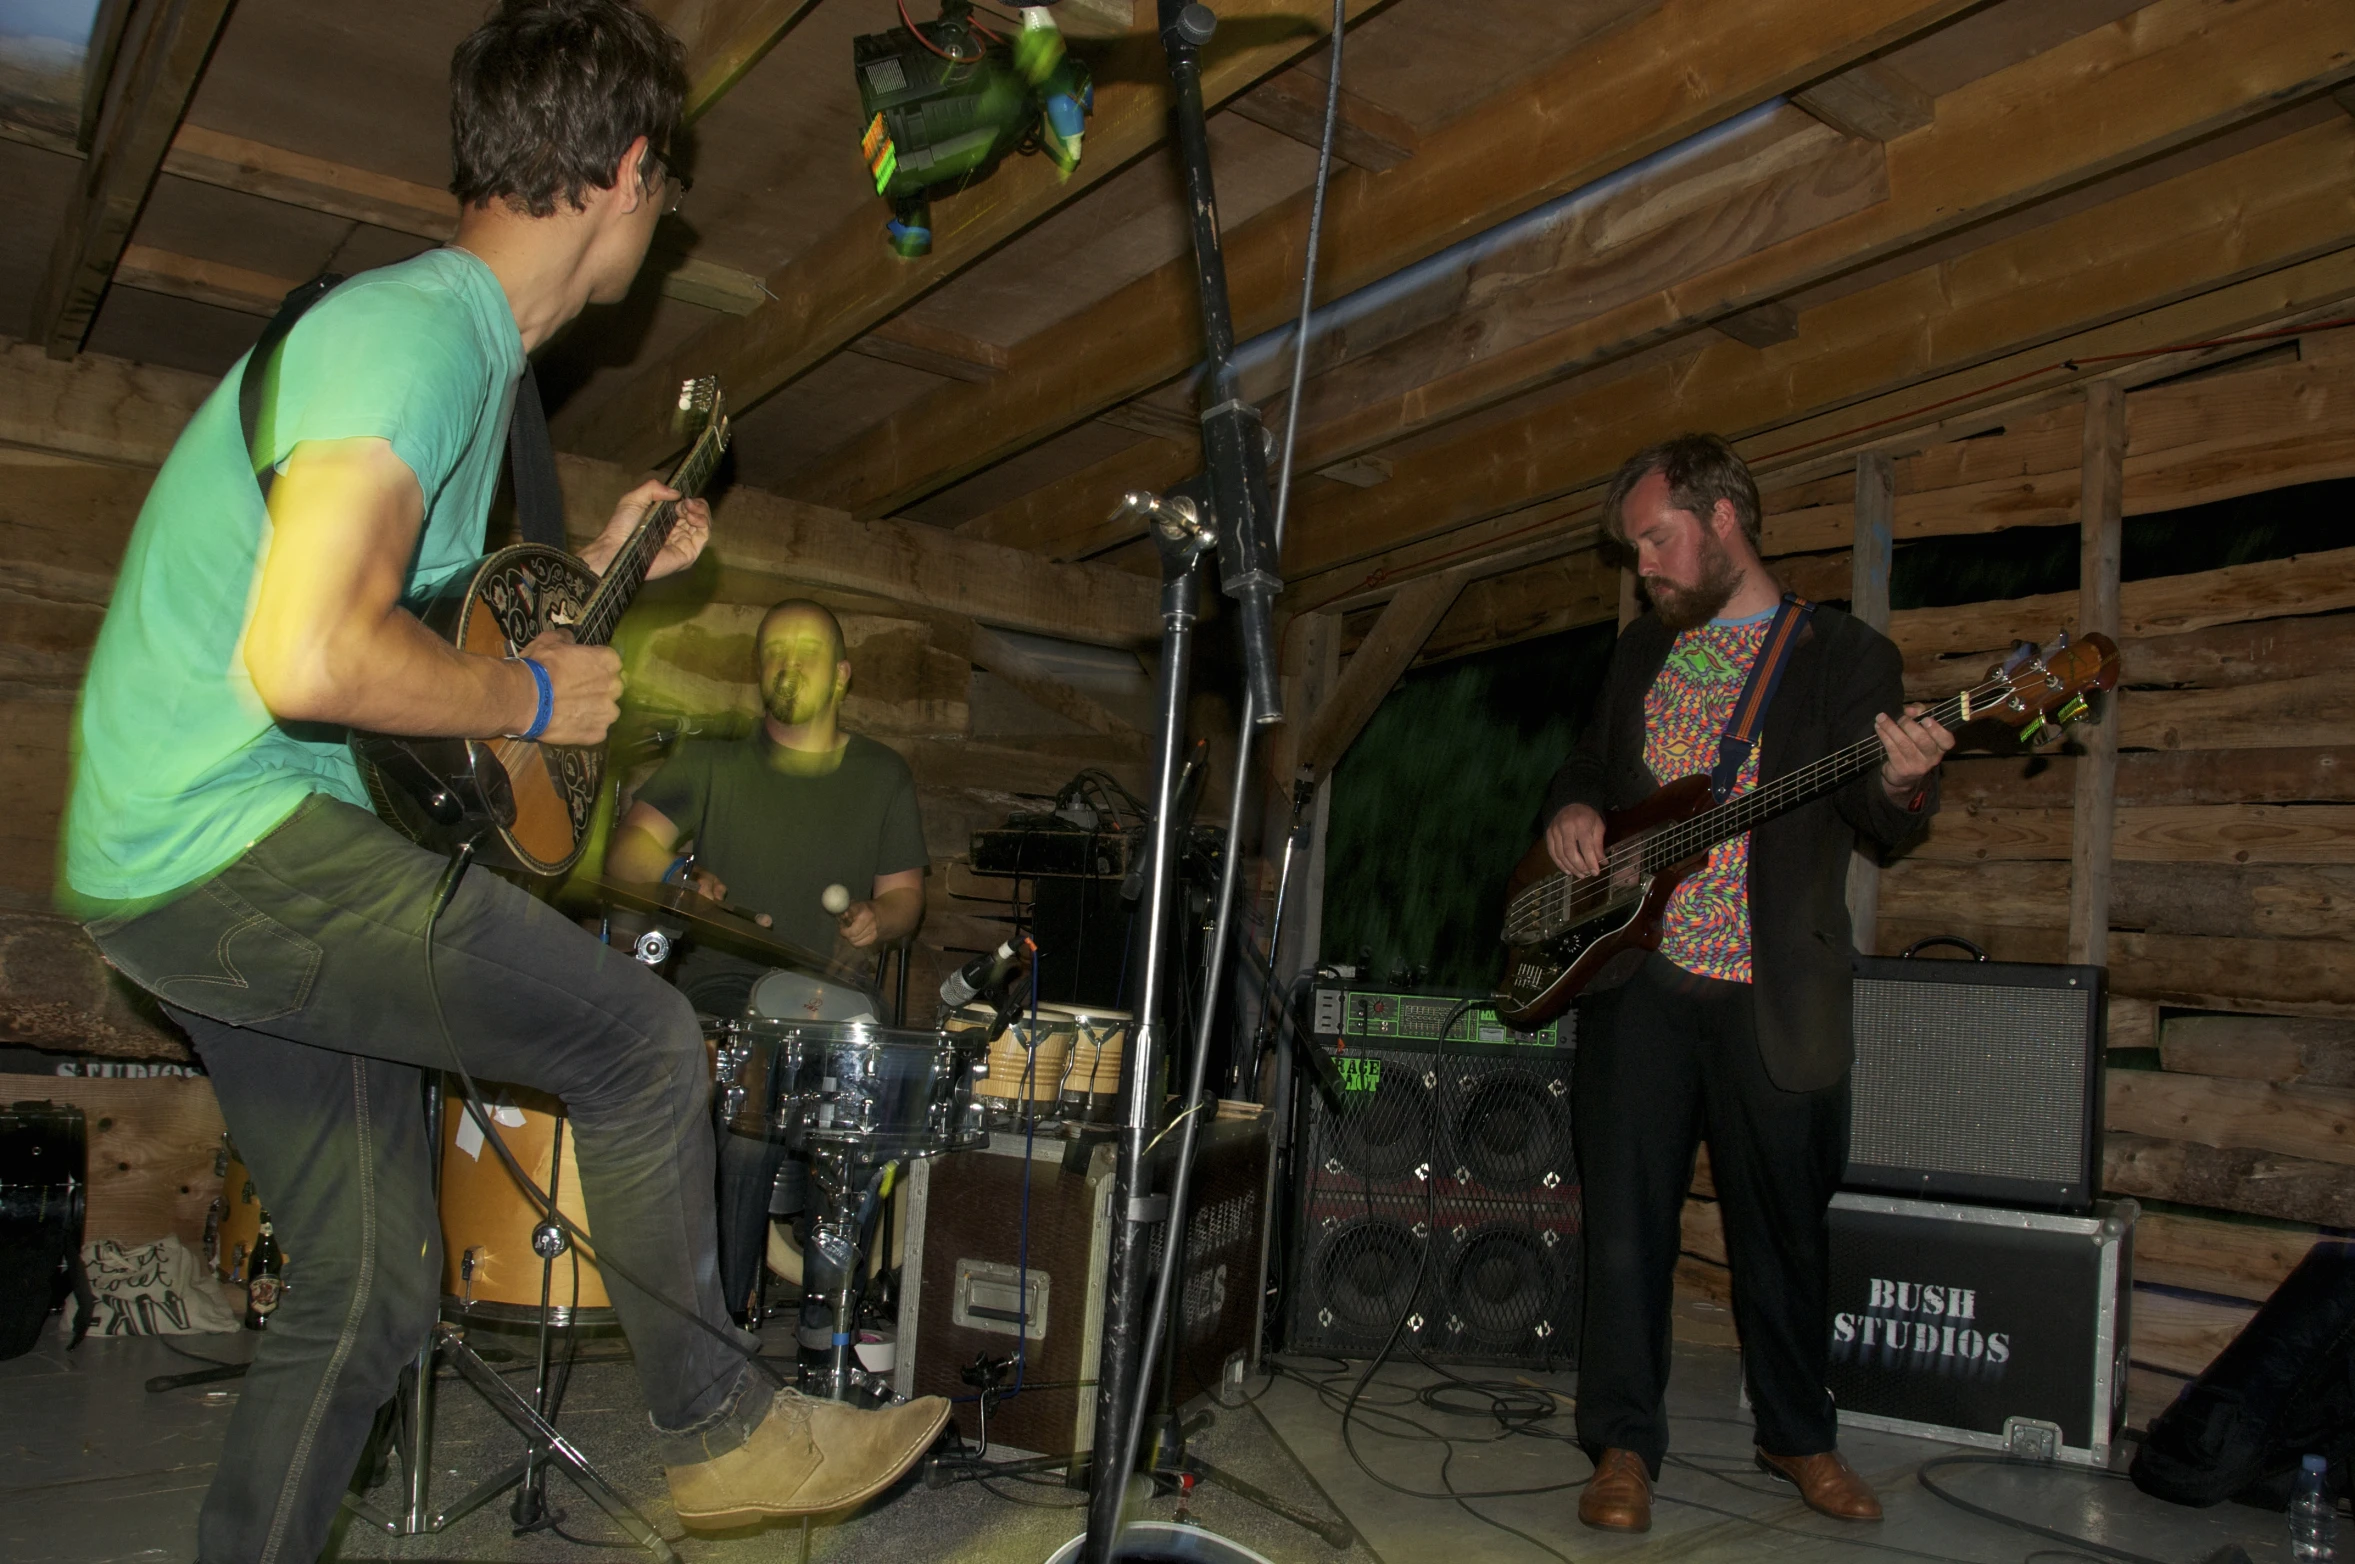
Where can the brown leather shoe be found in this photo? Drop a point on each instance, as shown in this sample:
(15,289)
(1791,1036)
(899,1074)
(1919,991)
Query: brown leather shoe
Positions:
(1827,1482)
(807,1457)
(1619,1495)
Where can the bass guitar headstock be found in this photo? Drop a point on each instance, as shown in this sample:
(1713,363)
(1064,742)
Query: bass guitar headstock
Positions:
(2039,690)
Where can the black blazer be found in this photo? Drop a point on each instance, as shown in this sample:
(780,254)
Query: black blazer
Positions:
(1841,673)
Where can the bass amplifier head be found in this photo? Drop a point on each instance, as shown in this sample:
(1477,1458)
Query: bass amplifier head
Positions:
(1977,1080)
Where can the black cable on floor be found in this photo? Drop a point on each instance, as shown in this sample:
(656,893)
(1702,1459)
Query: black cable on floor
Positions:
(2050,1534)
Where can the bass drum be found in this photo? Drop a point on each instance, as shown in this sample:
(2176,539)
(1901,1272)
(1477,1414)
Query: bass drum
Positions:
(489,1268)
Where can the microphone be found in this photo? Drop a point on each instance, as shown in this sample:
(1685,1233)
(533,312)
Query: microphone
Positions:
(986,973)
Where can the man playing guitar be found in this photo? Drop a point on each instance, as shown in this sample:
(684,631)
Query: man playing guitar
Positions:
(219,847)
(1737,1028)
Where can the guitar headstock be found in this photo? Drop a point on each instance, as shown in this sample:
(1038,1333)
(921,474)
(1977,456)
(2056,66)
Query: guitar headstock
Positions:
(2039,690)
(701,411)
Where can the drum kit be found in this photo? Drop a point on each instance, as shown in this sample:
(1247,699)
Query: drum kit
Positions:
(807,1064)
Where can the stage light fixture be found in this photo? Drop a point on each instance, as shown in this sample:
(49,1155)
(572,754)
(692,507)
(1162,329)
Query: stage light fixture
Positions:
(944,101)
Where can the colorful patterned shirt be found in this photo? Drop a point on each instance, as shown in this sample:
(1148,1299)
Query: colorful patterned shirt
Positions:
(1707,928)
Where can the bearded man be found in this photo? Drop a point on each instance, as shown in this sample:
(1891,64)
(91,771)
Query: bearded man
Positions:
(797,805)
(1737,1029)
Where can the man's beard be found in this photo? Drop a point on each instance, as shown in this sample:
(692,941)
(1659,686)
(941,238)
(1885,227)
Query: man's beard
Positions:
(1690,607)
(785,696)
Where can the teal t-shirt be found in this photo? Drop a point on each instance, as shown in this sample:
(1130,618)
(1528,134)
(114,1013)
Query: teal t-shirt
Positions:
(179,767)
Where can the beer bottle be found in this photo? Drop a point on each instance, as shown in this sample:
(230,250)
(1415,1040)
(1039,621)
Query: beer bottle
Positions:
(264,1284)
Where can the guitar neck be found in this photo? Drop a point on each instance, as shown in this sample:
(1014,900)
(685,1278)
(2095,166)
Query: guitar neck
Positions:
(1688,839)
(618,587)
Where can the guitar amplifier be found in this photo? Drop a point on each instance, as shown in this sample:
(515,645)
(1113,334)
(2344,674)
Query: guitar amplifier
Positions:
(1977,1080)
(966,1291)
(1444,1194)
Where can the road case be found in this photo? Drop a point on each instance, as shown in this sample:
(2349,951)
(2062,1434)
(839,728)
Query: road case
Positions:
(1982,1326)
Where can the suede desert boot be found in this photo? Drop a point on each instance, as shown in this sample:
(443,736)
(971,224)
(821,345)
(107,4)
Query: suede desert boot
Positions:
(808,1457)
(1619,1495)
(1827,1482)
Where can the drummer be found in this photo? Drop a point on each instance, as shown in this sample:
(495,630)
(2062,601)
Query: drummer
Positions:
(776,818)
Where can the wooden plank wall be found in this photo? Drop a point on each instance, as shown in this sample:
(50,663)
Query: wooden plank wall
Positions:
(2231,1095)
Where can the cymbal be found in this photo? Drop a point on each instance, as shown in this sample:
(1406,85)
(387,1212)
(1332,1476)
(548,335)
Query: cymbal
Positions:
(717,925)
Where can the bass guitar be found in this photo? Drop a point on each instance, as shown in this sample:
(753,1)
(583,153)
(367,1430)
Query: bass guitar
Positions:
(527,806)
(1563,931)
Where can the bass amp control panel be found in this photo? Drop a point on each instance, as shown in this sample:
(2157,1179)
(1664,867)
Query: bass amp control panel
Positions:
(1345,1013)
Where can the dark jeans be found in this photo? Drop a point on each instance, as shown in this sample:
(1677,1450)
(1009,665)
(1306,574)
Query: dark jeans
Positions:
(299,972)
(1663,1061)
(756,1176)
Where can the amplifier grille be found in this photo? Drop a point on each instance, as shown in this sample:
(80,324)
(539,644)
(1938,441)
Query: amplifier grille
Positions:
(1453,1163)
(1960,1078)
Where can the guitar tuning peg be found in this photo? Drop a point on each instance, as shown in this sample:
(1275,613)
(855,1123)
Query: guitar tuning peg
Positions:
(2034,726)
(2072,710)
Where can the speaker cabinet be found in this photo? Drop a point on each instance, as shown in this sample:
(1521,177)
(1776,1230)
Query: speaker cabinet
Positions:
(1977,1080)
(1444,1194)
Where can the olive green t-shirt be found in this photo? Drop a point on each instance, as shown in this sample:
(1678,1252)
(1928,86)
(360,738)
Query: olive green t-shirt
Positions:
(179,767)
(777,839)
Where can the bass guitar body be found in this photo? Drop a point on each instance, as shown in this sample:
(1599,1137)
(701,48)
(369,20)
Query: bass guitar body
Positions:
(526,806)
(1613,918)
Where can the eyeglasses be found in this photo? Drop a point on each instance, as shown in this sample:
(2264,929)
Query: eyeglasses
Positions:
(677,183)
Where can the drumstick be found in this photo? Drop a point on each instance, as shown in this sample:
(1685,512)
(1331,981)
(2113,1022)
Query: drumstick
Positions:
(835,899)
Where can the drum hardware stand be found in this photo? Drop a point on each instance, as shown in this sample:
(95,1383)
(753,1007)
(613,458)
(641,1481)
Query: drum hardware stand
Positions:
(531,1416)
(833,1273)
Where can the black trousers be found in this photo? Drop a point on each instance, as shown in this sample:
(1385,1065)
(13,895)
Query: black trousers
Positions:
(1664,1061)
(299,973)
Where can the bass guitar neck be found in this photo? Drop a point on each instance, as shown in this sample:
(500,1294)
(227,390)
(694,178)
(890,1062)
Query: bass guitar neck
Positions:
(1566,933)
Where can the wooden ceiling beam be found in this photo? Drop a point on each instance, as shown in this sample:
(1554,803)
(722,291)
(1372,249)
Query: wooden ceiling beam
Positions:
(931,568)
(1292,103)
(156,68)
(724,39)
(2186,70)
(848,281)
(2104,101)
(208,282)
(213,157)
(1868,101)
(1387,651)
(2248,239)
(1647,84)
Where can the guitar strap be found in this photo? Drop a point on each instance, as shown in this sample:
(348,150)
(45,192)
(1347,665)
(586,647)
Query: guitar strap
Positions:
(531,458)
(1766,674)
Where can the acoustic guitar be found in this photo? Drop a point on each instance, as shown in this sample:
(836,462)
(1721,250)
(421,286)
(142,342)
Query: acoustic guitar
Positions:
(1566,932)
(527,806)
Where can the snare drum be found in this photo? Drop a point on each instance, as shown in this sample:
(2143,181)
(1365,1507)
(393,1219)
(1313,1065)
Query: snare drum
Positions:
(876,1092)
(1091,1083)
(489,1268)
(796,997)
(1021,1085)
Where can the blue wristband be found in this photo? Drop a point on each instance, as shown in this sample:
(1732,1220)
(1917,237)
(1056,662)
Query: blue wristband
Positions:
(547,706)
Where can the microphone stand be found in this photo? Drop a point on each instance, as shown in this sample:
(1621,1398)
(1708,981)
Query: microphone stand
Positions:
(1229,510)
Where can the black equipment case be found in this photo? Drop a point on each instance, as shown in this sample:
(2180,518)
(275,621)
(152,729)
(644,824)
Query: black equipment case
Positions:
(1981,1326)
